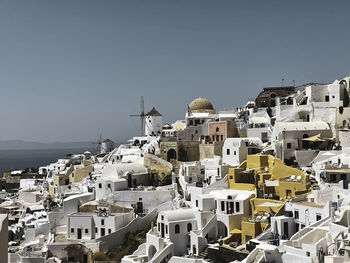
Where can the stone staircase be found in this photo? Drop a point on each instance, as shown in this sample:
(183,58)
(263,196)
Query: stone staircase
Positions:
(204,255)
(259,255)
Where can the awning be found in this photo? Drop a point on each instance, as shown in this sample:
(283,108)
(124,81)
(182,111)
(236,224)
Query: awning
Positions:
(235,231)
(337,170)
(317,138)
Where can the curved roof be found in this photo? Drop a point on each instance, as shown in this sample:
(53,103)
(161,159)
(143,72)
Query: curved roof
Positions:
(201,104)
(179,215)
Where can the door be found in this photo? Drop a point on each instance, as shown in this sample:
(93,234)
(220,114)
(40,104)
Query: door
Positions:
(79,233)
(285,229)
(162,230)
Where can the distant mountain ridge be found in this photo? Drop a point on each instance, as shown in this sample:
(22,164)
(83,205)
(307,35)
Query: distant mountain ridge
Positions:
(29,145)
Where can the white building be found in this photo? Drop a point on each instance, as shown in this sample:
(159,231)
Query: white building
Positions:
(107,146)
(153,123)
(235,150)
(87,225)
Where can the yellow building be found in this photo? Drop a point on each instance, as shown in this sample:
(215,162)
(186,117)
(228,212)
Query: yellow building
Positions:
(79,173)
(270,176)
(274,183)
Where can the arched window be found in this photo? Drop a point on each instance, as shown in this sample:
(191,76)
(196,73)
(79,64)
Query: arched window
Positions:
(217,129)
(189,227)
(177,229)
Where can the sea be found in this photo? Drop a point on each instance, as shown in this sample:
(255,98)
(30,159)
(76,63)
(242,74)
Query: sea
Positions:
(20,159)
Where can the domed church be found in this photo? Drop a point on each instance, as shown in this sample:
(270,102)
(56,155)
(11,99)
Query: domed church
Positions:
(201,105)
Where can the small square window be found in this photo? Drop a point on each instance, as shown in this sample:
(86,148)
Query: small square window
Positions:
(289,145)
(326,98)
(72,230)
(86,231)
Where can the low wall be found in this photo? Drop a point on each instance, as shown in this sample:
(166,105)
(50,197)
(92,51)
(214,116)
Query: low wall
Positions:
(118,238)
(151,199)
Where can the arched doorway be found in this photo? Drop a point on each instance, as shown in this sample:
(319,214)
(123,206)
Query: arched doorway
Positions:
(171,155)
(151,251)
(222,229)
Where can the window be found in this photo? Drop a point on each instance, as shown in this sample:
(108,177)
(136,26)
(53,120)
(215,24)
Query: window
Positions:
(96,229)
(222,137)
(158,226)
(72,230)
(166,229)
(228,151)
(234,153)
(296,214)
(231,177)
(222,206)
(189,227)
(177,229)
(326,98)
(343,177)
(162,217)
(333,178)
(109,185)
(99,185)
(302,226)
(109,230)
(202,171)
(102,222)
(237,206)
(216,204)
(86,231)
(318,217)
(217,129)
(218,171)
(289,145)
(297,226)
(307,253)
(196,203)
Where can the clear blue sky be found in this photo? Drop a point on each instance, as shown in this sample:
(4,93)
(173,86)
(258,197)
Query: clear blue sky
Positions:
(70,69)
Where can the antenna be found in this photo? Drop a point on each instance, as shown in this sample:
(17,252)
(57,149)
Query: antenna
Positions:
(141,115)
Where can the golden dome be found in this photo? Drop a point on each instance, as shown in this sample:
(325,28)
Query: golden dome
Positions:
(201,105)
